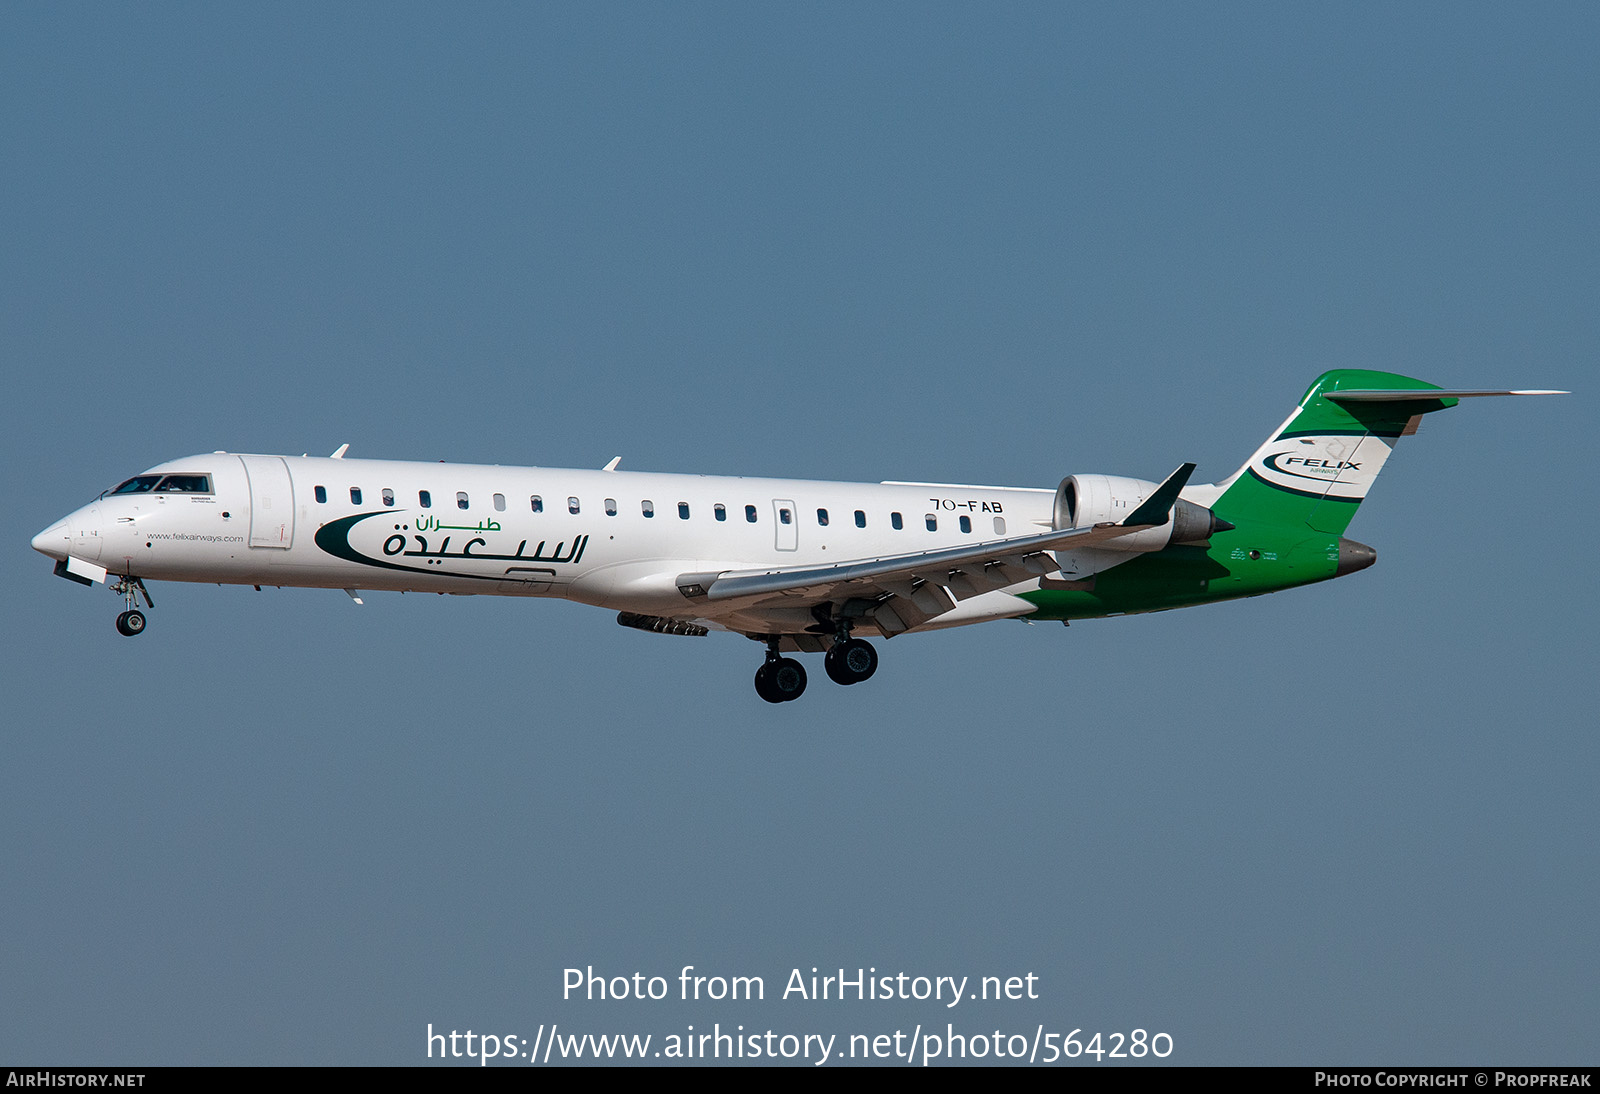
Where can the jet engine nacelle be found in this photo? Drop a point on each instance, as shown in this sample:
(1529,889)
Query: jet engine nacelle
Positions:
(1083,501)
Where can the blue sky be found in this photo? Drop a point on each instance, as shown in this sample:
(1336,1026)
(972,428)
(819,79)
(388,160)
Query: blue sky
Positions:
(1345,824)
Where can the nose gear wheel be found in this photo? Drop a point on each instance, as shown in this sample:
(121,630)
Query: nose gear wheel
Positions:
(131,622)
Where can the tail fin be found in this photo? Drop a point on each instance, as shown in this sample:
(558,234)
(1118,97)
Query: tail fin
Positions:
(1317,467)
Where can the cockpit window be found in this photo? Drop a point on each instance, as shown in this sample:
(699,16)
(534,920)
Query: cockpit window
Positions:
(166,484)
(185,484)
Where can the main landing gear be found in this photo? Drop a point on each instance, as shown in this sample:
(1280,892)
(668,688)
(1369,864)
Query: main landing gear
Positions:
(781,678)
(848,661)
(131,622)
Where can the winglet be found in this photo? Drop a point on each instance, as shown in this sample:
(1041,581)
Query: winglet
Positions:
(338,453)
(1157,508)
(612,466)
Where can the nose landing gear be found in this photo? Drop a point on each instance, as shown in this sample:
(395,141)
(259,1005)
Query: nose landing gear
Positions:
(131,622)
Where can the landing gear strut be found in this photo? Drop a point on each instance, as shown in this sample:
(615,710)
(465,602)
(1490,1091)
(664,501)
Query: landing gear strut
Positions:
(131,622)
(780,679)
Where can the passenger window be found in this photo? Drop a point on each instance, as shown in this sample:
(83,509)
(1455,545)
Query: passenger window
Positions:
(750,513)
(721,511)
(683,510)
(499,503)
(999,526)
(611,507)
(355,495)
(895,522)
(425,499)
(933,523)
(861,518)
(784,517)
(822,517)
(572,506)
(536,503)
(461,499)
(966,524)
(322,495)
(648,507)
(388,496)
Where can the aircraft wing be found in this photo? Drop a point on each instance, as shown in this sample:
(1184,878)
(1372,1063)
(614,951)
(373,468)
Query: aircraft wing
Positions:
(903,591)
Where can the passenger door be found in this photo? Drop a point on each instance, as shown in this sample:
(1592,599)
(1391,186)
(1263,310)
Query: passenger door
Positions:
(787,523)
(271,501)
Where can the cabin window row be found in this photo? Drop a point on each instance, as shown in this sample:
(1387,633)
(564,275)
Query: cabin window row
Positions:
(648,509)
(536,504)
(897,522)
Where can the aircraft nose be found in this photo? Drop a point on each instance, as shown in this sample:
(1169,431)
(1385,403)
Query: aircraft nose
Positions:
(53,541)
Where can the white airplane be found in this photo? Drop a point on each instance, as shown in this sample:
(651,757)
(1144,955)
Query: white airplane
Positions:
(799,566)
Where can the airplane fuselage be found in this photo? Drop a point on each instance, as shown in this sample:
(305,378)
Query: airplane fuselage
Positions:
(613,539)
(800,565)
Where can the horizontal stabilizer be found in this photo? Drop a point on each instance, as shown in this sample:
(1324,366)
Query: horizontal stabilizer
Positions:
(1407,395)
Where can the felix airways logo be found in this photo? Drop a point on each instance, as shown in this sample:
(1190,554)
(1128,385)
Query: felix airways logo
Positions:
(1323,465)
